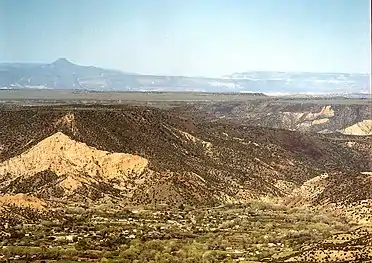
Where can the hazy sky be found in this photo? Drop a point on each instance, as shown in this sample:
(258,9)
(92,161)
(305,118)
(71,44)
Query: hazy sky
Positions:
(190,37)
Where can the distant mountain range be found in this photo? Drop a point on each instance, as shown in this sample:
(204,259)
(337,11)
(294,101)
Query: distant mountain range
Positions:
(62,74)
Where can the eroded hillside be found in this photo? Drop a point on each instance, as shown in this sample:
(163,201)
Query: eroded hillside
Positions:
(144,155)
(322,116)
(61,167)
(122,183)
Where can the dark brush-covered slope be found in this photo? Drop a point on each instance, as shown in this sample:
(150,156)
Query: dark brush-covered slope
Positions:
(188,160)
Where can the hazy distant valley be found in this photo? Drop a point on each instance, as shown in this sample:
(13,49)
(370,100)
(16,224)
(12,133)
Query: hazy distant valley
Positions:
(62,74)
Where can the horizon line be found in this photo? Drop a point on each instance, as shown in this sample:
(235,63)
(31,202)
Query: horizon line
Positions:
(190,76)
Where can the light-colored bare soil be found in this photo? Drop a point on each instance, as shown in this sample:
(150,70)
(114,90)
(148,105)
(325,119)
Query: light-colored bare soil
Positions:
(64,156)
(361,128)
(22,200)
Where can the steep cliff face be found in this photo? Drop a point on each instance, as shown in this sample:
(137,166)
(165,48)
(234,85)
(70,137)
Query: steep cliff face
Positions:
(326,117)
(143,155)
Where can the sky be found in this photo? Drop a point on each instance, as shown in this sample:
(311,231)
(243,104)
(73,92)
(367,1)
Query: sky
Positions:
(190,37)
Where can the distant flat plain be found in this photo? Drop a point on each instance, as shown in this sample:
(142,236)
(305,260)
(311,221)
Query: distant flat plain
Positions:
(32,97)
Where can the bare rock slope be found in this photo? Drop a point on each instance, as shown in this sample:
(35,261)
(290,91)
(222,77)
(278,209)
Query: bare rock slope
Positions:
(306,116)
(60,165)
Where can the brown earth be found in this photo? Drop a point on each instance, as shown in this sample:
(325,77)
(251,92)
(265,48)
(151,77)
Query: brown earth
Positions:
(352,246)
(325,117)
(22,200)
(145,155)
